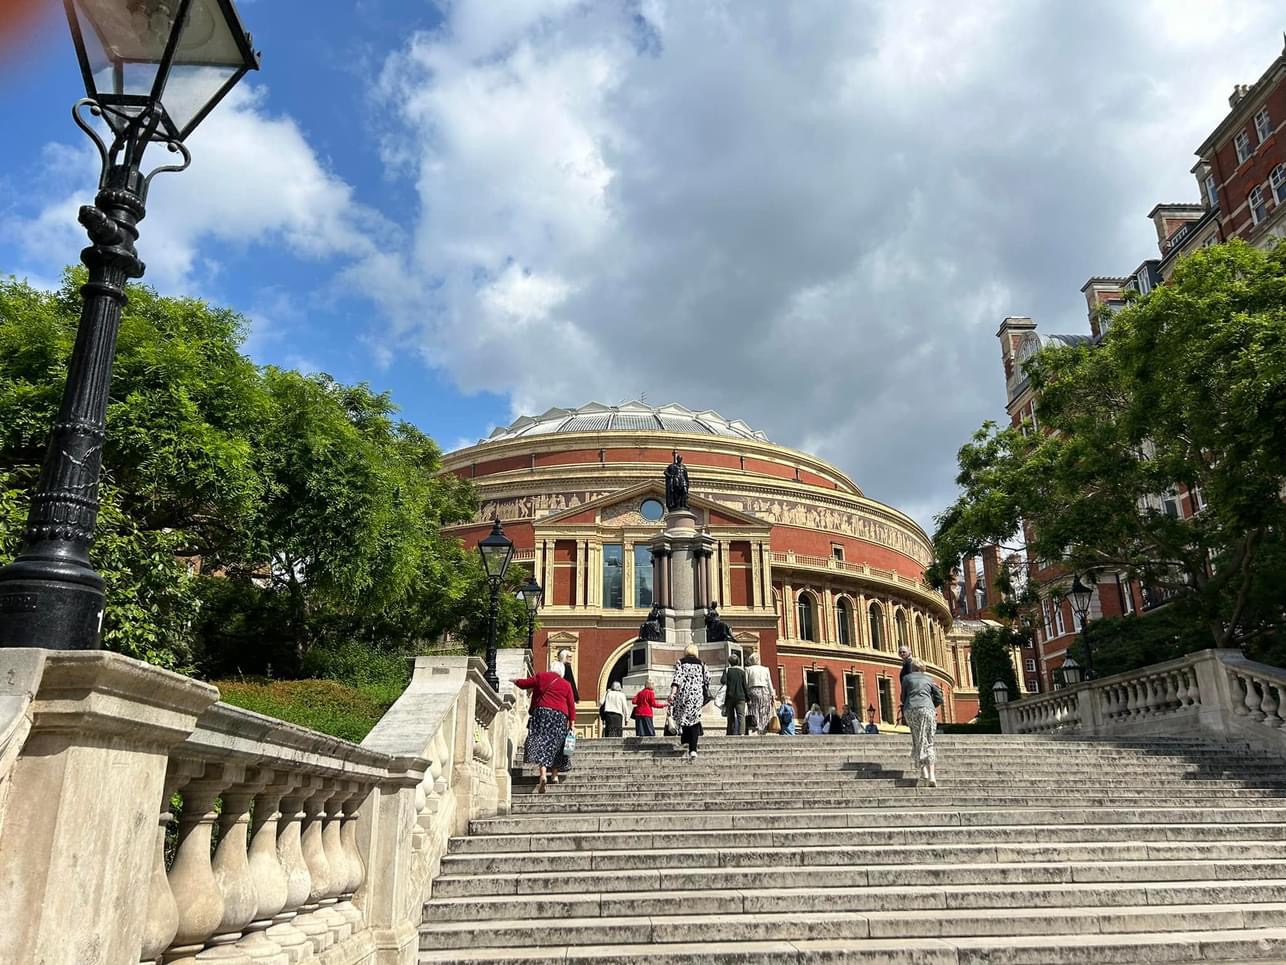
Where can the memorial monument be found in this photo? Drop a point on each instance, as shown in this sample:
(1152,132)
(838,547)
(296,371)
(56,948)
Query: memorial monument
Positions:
(684,610)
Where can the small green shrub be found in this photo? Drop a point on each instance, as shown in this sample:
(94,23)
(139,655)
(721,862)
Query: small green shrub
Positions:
(323,705)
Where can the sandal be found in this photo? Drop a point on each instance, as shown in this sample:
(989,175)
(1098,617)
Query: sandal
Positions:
(541,786)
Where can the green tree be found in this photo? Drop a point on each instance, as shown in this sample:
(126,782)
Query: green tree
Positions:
(993,650)
(313,513)
(1188,387)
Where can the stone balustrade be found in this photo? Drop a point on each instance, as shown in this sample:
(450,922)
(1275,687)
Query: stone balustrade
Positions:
(143,821)
(1219,692)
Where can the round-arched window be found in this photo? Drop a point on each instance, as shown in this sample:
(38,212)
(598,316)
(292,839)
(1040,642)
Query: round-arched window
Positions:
(652,510)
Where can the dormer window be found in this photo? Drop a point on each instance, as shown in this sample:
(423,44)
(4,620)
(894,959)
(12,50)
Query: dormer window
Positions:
(1263,125)
(1242,143)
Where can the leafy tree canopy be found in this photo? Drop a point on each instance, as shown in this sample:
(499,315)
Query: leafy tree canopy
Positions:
(250,515)
(1187,387)
(993,651)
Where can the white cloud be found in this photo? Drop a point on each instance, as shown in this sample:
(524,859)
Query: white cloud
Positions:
(811,216)
(254,179)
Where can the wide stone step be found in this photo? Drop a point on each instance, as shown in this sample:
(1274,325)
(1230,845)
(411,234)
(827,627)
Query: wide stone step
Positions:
(669,880)
(791,818)
(934,923)
(584,784)
(550,861)
(867,837)
(909,797)
(1208,946)
(770,897)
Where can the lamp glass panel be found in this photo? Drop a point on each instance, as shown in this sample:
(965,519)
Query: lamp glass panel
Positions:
(495,559)
(121,33)
(208,57)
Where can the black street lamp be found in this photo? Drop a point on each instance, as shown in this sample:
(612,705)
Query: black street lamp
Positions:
(153,70)
(532,592)
(497,550)
(1071,672)
(1080,596)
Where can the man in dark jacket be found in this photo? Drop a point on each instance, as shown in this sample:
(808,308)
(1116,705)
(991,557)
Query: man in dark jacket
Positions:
(735,695)
(905,653)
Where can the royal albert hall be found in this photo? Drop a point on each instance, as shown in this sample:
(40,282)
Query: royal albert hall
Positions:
(821,581)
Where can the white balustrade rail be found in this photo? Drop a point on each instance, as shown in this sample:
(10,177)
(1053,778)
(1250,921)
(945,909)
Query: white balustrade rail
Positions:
(1218,692)
(142,821)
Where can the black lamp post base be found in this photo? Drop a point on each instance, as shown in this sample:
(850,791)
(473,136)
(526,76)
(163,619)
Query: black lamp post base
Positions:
(50,604)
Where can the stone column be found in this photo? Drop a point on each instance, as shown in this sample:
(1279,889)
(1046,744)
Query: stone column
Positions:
(85,793)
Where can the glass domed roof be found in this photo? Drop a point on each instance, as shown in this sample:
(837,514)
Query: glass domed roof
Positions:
(627,417)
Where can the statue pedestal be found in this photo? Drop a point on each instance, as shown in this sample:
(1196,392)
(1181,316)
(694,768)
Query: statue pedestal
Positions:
(682,569)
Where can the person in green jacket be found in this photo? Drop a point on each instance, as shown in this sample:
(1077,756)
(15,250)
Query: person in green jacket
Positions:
(735,695)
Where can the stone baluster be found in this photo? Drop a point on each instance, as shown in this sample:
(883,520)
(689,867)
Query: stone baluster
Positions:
(192,881)
(1151,703)
(1252,698)
(162,912)
(341,927)
(290,853)
(1268,705)
(1181,687)
(232,872)
(312,921)
(267,873)
(356,867)
(1172,701)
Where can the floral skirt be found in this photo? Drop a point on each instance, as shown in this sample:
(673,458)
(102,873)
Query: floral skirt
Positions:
(760,708)
(922,721)
(546,731)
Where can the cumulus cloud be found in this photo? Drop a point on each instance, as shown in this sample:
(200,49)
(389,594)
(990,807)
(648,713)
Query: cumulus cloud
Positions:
(809,216)
(254,179)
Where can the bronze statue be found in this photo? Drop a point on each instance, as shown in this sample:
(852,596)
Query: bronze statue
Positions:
(676,484)
(717,631)
(652,627)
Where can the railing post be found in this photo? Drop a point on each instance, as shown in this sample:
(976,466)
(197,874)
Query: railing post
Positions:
(83,796)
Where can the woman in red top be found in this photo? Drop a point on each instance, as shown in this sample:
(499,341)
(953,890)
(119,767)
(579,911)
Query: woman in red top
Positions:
(553,711)
(644,703)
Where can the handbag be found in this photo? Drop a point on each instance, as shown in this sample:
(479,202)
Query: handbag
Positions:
(671,729)
(720,698)
(569,744)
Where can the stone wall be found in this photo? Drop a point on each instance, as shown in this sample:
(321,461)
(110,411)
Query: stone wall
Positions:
(284,845)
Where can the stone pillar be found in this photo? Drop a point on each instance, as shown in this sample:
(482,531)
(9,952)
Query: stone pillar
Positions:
(86,793)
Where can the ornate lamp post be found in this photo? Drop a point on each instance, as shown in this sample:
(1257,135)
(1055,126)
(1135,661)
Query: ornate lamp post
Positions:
(532,592)
(497,550)
(1080,596)
(1000,692)
(153,70)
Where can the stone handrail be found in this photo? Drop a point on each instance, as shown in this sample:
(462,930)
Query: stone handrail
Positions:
(1218,692)
(288,846)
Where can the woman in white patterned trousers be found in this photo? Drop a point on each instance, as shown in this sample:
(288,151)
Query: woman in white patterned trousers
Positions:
(921,698)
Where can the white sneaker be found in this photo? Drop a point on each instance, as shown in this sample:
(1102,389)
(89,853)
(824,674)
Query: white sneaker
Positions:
(692,755)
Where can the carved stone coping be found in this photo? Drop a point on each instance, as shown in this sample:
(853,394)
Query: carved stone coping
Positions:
(98,694)
(227,734)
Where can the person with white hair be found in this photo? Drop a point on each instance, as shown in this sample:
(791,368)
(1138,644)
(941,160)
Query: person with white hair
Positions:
(760,710)
(615,707)
(921,698)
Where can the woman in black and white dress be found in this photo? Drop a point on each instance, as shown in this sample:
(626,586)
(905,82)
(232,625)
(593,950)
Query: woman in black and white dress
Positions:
(688,694)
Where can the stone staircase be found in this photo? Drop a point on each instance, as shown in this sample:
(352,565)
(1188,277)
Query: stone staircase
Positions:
(824,849)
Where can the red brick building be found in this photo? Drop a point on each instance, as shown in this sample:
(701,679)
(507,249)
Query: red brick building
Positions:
(1241,180)
(818,579)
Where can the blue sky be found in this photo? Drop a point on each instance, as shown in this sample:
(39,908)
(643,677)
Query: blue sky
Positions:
(808,216)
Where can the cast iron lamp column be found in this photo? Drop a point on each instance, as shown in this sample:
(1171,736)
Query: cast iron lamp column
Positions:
(1080,596)
(50,595)
(532,593)
(497,551)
